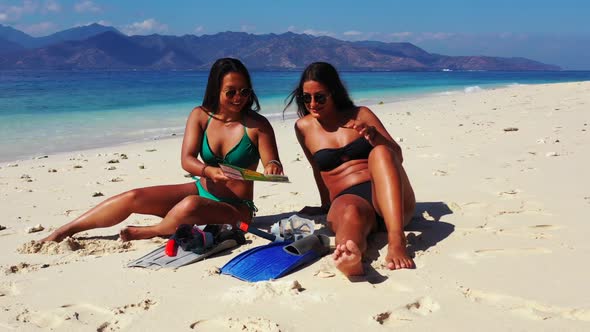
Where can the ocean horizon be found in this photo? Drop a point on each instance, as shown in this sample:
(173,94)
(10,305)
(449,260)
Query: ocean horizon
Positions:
(47,112)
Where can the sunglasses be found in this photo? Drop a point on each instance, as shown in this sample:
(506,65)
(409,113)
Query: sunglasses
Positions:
(245,92)
(319,98)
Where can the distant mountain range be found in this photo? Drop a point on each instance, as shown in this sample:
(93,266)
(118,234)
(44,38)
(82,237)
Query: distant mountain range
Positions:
(101,47)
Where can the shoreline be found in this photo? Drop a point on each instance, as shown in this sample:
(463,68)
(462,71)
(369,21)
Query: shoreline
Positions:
(274,118)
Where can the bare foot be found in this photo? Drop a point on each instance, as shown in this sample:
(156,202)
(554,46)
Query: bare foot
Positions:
(55,236)
(130,233)
(347,258)
(397,256)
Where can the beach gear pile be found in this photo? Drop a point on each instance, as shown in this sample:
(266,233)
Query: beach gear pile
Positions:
(294,246)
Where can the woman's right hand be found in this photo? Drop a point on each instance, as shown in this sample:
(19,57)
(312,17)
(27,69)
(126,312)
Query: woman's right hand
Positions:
(313,210)
(215,174)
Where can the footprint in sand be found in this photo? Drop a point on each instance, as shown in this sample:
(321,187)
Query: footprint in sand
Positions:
(247,324)
(538,232)
(473,257)
(455,207)
(547,227)
(525,308)
(515,251)
(534,231)
(125,315)
(80,316)
(525,207)
(254,292)
(469,208)
(421,307)
(509,194)
(8,289)
(71,317)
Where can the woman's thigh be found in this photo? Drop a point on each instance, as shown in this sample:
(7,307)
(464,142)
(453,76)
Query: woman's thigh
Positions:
(408,197)
(159,200)
(202,210)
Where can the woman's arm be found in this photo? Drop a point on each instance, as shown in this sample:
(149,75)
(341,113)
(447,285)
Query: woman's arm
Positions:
(322,189)
(369,125)
(191,144)
(267,147)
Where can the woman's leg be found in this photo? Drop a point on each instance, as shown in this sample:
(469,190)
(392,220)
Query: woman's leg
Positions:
(394,200)
(156,200)
(192,209)
(351,218)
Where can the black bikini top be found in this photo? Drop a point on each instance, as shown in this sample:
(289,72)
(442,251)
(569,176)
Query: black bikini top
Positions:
(330,158)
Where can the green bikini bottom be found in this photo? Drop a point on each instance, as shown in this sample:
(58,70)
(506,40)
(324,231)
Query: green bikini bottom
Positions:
(233,201)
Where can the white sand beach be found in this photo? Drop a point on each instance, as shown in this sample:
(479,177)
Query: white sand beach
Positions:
(500,236)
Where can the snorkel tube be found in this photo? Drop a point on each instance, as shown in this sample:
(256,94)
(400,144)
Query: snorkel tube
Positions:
(253,230)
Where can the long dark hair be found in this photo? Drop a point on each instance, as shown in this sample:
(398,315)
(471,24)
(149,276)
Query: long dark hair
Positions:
(325,74)
(220,68)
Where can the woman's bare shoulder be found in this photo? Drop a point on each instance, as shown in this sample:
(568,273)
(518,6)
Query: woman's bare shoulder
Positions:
(254,119)
(365,113)
(304,122)
(199,115)
(199,111)
(364,110)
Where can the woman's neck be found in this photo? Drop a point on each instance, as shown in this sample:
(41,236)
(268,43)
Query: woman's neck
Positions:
(228,116)
(334,121)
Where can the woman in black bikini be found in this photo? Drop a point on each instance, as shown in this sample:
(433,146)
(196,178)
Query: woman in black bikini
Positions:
(357,168)
(225,129)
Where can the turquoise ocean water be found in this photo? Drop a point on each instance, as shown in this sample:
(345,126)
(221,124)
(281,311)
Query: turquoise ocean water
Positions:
(44,112)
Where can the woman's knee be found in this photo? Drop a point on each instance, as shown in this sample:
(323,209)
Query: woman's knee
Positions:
(355,216)
(132,198)
(382,153)
(190,204)
(351,212)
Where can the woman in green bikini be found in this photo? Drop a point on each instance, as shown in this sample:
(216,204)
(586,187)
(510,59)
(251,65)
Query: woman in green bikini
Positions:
(225,129)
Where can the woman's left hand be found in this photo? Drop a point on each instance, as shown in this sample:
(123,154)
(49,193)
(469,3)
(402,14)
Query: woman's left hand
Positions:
(367,131)
(273,168)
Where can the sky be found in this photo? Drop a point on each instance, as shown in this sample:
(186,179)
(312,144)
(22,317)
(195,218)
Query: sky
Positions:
(550,31)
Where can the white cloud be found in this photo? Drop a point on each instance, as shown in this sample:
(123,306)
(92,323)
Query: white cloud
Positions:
(319,32)
(401,36)
(39,29)
(14,13)
(199,29)
(417,37)
(103,22)
(86,6)
(352,33)
(52,6)
(436,35)
(248,28)
(312,32)
(146,27)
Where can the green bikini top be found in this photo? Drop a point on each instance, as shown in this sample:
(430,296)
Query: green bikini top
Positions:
(244,154)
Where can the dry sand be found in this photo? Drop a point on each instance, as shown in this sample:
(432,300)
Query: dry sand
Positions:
(499,238)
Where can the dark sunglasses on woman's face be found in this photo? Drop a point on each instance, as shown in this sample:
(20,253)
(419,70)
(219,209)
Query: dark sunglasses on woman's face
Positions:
(320,98)
(245,92)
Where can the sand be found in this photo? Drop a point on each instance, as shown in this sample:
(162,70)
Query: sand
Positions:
(499,236)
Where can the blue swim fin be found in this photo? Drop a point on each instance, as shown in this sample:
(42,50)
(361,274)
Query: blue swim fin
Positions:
(276,259)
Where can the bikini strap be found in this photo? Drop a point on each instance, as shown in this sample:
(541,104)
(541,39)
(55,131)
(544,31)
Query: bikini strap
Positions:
(244,125)
(208,120)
